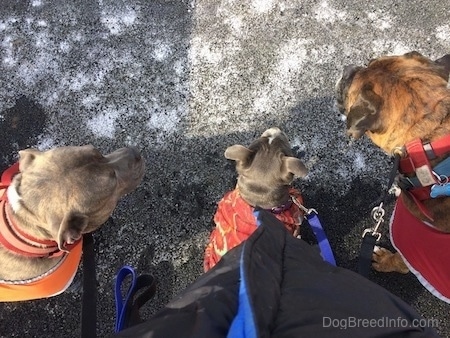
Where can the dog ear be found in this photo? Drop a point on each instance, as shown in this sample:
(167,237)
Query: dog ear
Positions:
(292,167)
(363,115)
(71,229)
(26,157)
(238,153)
(444,66)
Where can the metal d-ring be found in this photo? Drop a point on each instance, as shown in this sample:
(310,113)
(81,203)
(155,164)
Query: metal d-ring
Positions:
(442,179)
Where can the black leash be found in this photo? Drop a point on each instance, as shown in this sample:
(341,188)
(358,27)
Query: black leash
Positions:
(371,235)
(89,297)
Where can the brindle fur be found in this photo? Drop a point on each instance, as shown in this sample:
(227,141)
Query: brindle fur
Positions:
(394,100)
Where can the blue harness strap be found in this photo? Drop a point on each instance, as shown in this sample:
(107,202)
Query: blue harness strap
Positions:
(127,308)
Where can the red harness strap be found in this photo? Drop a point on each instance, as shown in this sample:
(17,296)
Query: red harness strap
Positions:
(418,160)
(432,150)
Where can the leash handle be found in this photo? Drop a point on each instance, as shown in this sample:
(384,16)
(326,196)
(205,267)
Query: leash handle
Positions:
(127,309)
(322,240)
(365,254)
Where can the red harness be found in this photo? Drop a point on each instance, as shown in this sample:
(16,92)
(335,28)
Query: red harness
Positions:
(417,162)
(424,248)
(235,222)
(16,240)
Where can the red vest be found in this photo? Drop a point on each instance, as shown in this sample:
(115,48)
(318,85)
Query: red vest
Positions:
(425,250)
(235,222)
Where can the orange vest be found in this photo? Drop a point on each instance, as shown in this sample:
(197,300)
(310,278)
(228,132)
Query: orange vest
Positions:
(47,285)
(235,222)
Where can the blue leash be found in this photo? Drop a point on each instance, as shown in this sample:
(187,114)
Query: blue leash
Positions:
(322,240)
(127,309)
(319,232)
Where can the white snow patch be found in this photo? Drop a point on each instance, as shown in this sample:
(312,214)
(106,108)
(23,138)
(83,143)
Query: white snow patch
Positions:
(90,101)
(36,3)
(7,45)
(64,46)
(45,144)
(262,6)
(297,142)
(326,14)
(359,162)
(161,51)
(42,40)
(118,21)
(379,21)
(261,104)
(443,33)
(103,124)
(166,120)
(41,23)
(208,55)
(78,82)
(235,23)
(391,47)
(179,67)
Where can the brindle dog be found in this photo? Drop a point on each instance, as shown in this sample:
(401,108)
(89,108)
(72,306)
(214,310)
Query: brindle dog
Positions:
(394,100)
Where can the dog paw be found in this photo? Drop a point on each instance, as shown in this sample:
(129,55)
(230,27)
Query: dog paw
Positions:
(386,261)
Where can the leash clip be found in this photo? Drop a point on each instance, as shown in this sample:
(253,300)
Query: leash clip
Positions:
(304,209)
(377,214)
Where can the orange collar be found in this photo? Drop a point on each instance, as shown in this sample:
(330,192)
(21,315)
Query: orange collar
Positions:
(15,239)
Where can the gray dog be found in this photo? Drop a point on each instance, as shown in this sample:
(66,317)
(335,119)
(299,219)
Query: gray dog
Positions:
(48,201)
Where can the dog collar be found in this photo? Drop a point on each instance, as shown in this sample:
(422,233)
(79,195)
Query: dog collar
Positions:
(15,239)
(281,208)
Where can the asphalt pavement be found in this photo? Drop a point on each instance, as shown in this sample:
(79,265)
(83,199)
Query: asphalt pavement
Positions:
(183,80)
